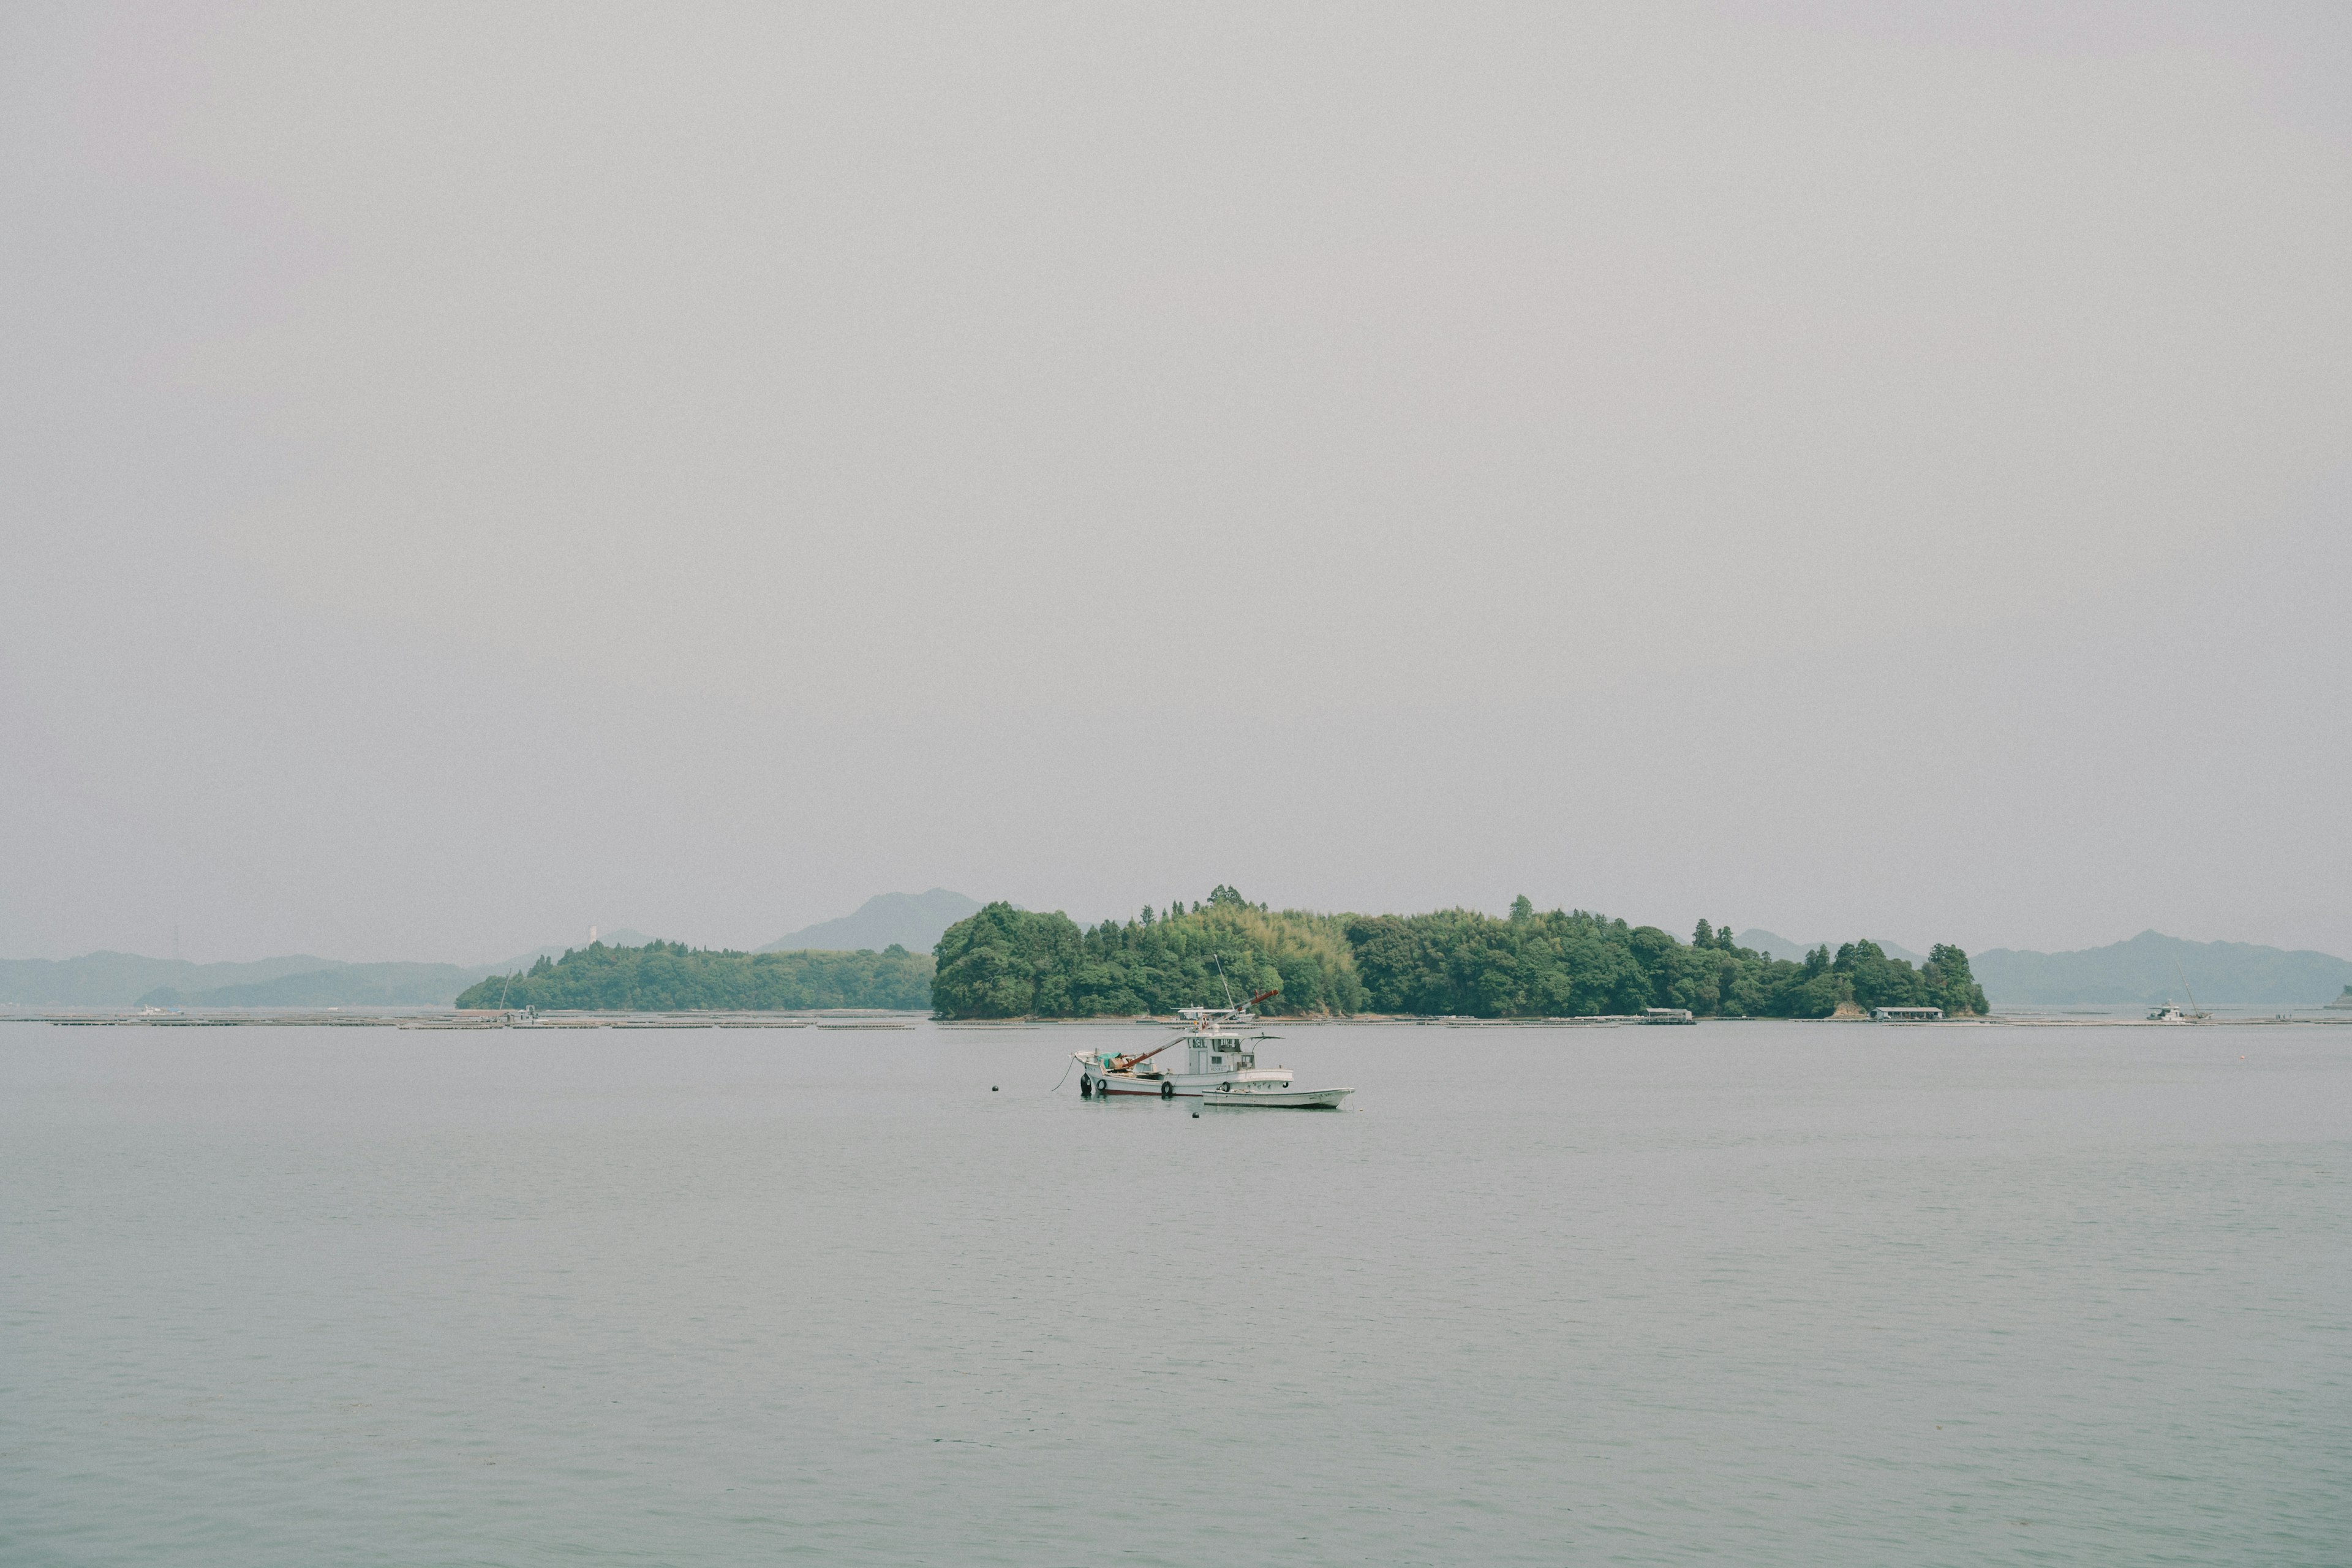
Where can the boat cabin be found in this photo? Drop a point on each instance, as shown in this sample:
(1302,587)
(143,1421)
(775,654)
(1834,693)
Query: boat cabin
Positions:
(1213,1040)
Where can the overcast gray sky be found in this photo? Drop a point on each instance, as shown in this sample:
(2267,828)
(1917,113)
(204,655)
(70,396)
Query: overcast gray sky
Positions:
(470,472)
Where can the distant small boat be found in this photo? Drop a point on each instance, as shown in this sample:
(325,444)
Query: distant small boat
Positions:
(2168,1014)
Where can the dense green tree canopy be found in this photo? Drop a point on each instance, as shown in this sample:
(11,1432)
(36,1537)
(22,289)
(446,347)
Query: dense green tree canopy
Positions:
(670,977)
(1007,963)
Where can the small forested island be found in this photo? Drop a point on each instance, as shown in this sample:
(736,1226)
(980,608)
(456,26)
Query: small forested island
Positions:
(1007,963)
(670,977)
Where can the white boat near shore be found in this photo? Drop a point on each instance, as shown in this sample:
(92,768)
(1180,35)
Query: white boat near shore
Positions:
(1219,1063)
(1218,1046)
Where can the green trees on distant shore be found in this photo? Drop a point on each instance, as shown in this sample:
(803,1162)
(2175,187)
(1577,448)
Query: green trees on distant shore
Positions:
(670,977)
(1879,981)
(1569,965)
(1006,963)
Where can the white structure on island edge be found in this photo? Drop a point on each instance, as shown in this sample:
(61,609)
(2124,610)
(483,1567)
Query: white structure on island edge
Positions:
(1908,1015)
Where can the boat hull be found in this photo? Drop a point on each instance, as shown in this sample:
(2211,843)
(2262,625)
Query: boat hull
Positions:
(1188,1085)
(1112,1085)
(1277,1099)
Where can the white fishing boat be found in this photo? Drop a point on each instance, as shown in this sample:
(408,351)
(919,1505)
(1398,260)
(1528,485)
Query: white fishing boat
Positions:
(1271,1088)
(2168,1014)
(1218,1045)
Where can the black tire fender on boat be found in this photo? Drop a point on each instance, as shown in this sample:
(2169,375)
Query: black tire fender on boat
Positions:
(1086,1088)
(1167,1089)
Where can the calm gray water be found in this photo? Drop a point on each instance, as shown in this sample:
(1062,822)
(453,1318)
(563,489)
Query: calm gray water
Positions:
(1765,1293)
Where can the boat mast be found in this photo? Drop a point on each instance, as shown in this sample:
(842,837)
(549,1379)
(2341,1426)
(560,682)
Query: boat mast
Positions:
(2194,1010)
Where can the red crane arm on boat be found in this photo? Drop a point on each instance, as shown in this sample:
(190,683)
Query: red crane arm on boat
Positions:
(1262,997)
(1124,1064)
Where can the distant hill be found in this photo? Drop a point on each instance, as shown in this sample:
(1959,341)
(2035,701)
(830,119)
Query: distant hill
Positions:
(303,980)
(125,979)
(915,921)
(344,985)
(2142,971)
(1772,946)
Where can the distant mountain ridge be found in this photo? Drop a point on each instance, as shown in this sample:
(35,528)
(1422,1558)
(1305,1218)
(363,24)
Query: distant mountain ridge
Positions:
(915,921)
(2142,970)
(342,986)
(297,979)
(106,979)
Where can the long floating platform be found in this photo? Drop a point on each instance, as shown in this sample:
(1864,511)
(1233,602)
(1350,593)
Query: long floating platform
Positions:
(445,1018)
